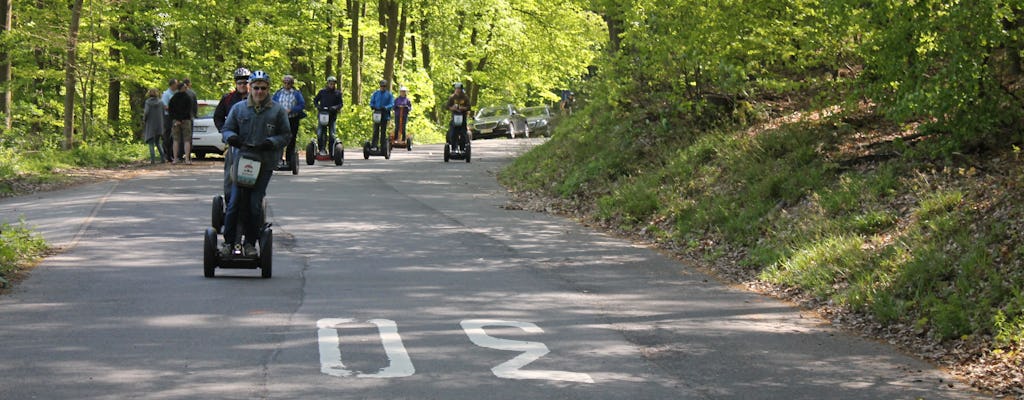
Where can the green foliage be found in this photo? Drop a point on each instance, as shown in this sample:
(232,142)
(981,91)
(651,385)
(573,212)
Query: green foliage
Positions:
(18,247)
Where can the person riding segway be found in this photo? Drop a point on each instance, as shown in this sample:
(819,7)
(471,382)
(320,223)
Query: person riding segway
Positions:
(381,102)
(326,145)
(403,106)
(458,146)
(257,128)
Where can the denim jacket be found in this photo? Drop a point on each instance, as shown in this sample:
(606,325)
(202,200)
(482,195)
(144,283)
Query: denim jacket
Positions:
(254,124)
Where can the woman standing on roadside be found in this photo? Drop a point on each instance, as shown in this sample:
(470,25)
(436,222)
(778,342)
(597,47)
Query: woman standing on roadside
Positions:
(153,124)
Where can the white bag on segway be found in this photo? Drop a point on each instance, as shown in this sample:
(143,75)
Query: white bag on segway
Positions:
(245,171)
(457,120)
(324,118)
(376,116)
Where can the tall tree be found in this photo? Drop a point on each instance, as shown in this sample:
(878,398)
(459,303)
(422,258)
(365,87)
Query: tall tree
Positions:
(354,48)
(390,13)
(5,62)
(70,65)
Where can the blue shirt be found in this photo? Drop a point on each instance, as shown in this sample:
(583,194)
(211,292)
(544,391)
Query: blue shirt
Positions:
(382,99)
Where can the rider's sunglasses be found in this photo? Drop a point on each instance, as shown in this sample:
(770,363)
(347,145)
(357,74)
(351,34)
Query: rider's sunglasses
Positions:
(241,82)
(260,88)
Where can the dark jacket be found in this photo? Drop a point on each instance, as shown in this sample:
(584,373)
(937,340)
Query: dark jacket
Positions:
(180,107)
(330,98)
(220,114)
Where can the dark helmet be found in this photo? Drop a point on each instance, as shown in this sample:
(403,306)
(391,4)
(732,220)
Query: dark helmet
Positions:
(384,82)
(242,74)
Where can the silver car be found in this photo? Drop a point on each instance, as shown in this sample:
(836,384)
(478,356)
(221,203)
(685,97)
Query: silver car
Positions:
(538,120)
(492,122)
(205,137)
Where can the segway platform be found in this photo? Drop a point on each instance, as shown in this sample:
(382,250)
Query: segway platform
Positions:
(379,152)
(452,152)
(336,153)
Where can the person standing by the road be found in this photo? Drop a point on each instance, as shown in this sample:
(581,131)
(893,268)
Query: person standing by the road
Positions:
(292,101)
(153,125)
(382,101)
(403,106)
(458,104)
(258,127)
(327,99)
(172,88)
(180,109)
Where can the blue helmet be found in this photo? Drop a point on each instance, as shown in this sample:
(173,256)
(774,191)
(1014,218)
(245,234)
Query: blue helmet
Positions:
(259,76)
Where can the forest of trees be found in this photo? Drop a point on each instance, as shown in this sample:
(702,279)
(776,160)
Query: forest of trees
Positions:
(77,71)
(74,70)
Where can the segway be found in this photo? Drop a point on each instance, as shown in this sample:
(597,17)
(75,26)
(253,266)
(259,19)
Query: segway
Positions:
(401,117)
(385,149)
(235,259)
(292,165)
(335,149)
(462,148)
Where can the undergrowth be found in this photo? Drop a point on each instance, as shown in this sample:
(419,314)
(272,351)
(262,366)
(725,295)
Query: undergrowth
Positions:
(18,247)
(888,232)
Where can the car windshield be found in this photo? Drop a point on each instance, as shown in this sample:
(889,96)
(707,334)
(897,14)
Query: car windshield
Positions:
(206,110)
(492,112)
(534,111)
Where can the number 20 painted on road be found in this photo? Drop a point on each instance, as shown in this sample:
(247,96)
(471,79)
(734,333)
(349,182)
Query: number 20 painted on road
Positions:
(400,365)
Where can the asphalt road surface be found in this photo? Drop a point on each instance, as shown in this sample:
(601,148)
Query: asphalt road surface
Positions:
(407,278)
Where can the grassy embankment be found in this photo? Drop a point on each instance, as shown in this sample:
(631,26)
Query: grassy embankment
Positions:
(839,209)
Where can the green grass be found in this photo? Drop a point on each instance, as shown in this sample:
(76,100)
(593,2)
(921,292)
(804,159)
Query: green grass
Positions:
(18,248)
(906,240)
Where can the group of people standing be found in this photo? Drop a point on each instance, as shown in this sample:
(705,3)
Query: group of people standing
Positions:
(167,122)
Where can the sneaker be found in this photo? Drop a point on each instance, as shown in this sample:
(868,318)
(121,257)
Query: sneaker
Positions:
(249,250)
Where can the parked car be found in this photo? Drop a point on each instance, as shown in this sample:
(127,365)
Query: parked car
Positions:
(491,122)
(538,120)
(205,137)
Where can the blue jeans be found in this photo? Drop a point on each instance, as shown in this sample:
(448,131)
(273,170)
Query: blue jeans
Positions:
(154,146)
(321,133)
(247,204)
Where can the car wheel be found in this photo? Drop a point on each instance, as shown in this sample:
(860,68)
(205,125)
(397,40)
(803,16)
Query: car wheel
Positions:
(210,253)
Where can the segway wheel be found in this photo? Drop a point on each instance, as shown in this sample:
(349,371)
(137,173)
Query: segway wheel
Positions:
(295,163)
(217,213)
(408,144)
(210,256)
(387,150)
(468,152)
(447,152)
(366,151)
(339,154)
(267,253)
(310,153)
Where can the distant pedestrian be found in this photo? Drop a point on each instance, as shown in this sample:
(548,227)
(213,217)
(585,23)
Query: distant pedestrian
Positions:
(153,125)
(180,108)
(172,88)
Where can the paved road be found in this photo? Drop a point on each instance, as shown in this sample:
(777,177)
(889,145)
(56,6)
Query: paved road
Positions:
(400,279)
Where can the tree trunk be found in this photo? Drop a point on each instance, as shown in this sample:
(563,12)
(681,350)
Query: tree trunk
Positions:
(391,12)
(5,65)
(354,50)
(114,84)
(70,63)
(402,26)
(329,60)
(424,45)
